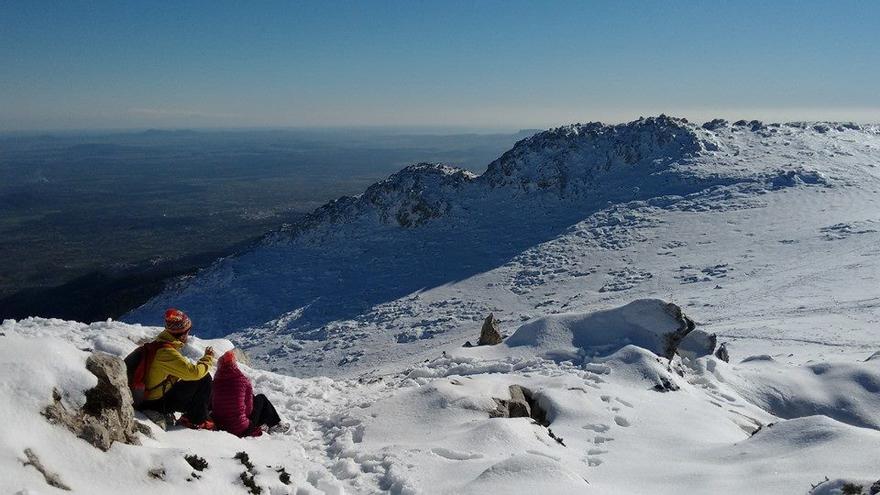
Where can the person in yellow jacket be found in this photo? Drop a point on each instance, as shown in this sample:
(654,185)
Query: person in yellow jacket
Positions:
(173,382)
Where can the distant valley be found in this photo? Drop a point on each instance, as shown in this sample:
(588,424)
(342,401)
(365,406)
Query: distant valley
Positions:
(92,225)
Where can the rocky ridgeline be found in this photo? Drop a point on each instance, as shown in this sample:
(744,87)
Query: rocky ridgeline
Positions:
(577,158)
(431,223)
(407,198)
(594,160)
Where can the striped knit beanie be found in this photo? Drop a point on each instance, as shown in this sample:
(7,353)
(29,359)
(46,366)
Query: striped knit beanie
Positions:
(176,322)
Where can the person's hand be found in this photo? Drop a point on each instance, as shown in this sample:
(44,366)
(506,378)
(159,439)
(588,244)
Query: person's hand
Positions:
(209,351)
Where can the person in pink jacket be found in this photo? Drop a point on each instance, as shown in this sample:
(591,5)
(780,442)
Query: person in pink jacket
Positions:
(235,407)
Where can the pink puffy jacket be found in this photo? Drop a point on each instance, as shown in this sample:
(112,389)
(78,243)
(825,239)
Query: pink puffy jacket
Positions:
(232,398)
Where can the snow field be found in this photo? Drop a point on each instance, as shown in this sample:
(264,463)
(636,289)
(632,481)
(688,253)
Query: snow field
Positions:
(427,429)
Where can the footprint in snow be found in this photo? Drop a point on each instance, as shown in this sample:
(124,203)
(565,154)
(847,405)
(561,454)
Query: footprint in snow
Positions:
(597,427)
(455,455)
(621,421)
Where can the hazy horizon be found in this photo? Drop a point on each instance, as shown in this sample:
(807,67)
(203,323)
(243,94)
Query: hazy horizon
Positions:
(871,116)
(485,66)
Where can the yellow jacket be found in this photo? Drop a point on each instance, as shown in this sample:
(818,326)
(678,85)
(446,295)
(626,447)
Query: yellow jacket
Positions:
(169,366)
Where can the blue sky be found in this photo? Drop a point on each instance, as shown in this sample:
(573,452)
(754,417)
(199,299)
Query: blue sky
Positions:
(485,64)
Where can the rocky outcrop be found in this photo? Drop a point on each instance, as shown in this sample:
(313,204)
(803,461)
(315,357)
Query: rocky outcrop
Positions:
(674,338)
(722,353)
(408,198)
(576,158)
(107,416)
(490,334)
(521,404)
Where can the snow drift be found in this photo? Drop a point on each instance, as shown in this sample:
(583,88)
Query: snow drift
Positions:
(648,323)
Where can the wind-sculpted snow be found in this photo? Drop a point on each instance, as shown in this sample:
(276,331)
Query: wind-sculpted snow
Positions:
(847,392)
(573,219)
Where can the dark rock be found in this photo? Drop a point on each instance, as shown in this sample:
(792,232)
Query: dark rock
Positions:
(761,427)
(715,124)
(518,406)
(197,463)
(283,475)
(522,404)
(722,353)
(489,334)
(673,339)
(52,479)
(554,437)
(665,385)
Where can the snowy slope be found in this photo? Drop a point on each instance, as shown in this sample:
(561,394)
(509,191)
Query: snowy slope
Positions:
(427,429)
(767,235)
(355,318)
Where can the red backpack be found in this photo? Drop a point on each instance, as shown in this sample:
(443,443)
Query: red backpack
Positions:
(137,364)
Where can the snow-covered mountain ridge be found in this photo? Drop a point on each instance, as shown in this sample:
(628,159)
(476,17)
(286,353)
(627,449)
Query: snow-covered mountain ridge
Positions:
(590,161)
(355,320)
(575,218)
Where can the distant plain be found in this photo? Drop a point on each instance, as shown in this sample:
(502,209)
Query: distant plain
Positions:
(92,224)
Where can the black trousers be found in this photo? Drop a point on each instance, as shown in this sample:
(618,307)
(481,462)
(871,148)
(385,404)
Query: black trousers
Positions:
(264,413)
(192,398)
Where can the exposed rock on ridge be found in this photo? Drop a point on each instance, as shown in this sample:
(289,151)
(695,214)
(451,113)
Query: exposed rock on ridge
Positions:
(107,415)
(407,198)
(577,157)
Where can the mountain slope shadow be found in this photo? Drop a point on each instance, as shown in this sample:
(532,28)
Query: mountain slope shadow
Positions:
(430,225)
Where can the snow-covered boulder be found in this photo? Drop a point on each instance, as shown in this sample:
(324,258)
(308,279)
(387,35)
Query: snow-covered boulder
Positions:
(698,343)
(652,324)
